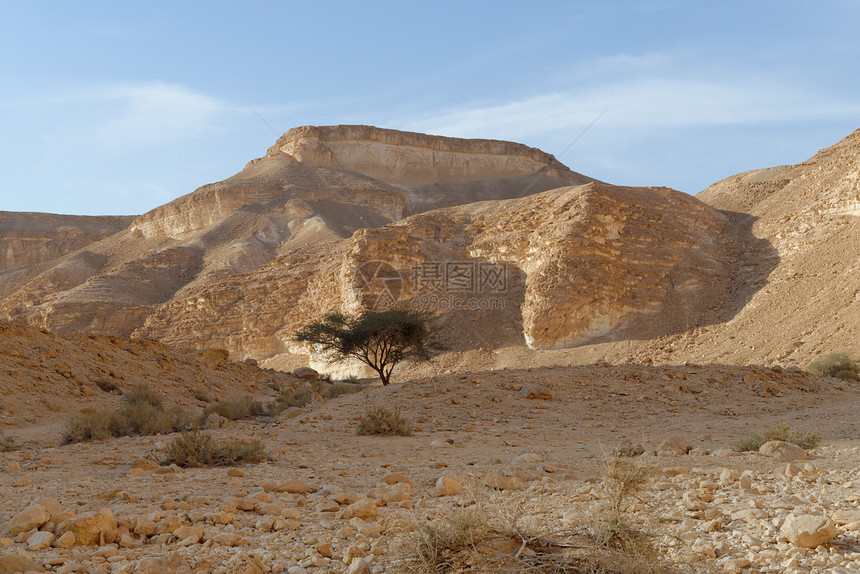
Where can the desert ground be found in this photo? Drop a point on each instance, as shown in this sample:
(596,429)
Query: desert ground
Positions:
(637,398)
(331,501)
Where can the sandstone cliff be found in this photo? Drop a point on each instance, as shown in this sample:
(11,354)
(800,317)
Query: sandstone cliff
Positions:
(33,238)
(556,269)
(278,204)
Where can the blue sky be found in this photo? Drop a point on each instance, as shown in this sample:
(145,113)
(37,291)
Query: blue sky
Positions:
(118,107)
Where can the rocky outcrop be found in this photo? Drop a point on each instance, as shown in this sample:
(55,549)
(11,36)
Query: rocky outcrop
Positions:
(409,160)
(801,293)
(553,270)
(278,205)
(33,238)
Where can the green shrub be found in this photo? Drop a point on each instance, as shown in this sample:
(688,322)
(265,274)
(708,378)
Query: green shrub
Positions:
(384,421)
(8,443)
(242,408)
(839,365)
(801,437)
(198,449)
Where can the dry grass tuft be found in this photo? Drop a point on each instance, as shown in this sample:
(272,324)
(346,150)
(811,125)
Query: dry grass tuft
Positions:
(384,421)
(142,414)
(198,449)
(496,533)
(801,437)
(8,443)
(242,408)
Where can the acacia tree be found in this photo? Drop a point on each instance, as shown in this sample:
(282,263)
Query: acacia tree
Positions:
(379,339)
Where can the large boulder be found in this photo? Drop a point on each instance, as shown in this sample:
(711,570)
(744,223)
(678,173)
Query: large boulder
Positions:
(808,531)
(34,516)
(783,451)
(91,529)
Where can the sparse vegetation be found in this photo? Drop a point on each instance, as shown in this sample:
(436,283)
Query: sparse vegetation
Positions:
(198,449)
(8,443)
(143,394)
(380,340)
(203,395)
(143,414)
(623,479)
(290,398)
(339,389)
(839,365)
(384,421)
(801,437)
(493,534)
(108,386)
(242,408)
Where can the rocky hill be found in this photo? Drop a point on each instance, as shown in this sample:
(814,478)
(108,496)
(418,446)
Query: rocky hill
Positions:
(276,205)
(516,251)
(33,238)
(552,270)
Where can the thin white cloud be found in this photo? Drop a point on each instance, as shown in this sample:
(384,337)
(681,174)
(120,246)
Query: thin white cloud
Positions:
(156,113)
(642,92)
(641,104)
(130,115)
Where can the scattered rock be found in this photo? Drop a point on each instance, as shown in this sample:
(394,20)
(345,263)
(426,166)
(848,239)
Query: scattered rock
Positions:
(91,529)
(783,451)
(34,516)
(307,374)
(535,392)
(674,445)
(808,531)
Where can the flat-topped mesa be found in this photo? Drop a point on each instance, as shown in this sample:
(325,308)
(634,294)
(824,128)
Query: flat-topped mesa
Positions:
(408,159)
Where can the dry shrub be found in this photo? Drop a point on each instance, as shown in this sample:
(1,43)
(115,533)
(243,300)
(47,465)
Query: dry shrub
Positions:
(384,421)
(198,449)
(86,427)
(242,408)
(108,386)
(801,437)
(142,414)
(291,398)
(496,534)
(143,394)
(839,365)
(8,443)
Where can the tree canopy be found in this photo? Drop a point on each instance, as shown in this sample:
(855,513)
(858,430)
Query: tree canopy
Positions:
(379,339)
